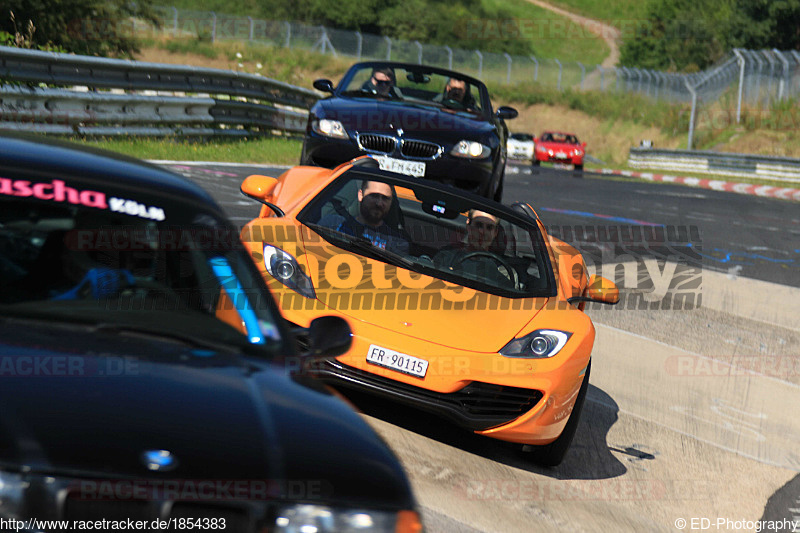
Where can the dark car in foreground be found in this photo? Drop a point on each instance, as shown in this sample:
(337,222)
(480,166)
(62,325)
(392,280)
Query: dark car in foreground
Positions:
(145,369)
(424,122)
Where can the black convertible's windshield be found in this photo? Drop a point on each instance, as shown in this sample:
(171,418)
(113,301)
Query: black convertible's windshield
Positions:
(415,85)
(419,227)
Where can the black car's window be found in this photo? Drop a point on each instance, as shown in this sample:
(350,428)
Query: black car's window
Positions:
(76,261)
(522,136)
(426,230)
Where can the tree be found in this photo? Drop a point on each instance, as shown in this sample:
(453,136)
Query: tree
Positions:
(92,27)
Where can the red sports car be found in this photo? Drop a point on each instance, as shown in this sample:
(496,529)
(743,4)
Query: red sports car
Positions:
(556,147)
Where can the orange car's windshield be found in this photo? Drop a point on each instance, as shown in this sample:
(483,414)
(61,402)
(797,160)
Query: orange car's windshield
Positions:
(427,229)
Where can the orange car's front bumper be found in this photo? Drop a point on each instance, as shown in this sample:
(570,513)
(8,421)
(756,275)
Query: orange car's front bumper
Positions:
(512,399)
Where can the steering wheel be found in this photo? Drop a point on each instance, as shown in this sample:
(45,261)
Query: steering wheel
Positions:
(500,260)
(451,103)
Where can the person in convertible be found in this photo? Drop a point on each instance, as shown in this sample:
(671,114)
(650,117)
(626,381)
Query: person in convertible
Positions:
(478,253)
(375,199)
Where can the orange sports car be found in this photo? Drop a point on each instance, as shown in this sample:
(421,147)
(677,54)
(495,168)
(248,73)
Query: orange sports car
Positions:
(459,305)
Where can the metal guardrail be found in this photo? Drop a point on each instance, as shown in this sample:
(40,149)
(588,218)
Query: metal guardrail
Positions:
(719,163)
(68,94)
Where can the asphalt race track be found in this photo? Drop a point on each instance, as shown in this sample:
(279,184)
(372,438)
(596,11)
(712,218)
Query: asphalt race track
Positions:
(691,418)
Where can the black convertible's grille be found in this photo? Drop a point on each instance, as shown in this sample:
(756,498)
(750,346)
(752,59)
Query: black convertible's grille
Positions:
(90,509)
(419,149)
(377,143)
(237,518)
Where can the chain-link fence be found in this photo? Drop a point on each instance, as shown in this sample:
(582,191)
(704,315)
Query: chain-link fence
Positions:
(755,78)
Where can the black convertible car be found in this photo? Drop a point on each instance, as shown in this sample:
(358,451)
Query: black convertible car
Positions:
(146,373)
(416,120)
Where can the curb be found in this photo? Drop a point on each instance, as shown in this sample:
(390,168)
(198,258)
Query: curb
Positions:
(717,185)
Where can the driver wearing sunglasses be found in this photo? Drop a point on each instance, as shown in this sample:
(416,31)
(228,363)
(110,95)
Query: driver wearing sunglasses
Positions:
(381,82)
(478,253)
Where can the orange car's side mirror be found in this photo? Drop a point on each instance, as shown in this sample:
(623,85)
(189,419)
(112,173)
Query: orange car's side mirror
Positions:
(258,187)
(602,290)
(583,145)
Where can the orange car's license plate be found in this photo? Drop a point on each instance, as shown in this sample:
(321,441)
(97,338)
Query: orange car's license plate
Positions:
(407,364)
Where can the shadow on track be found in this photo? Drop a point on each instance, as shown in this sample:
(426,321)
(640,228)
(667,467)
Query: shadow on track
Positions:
(589,456)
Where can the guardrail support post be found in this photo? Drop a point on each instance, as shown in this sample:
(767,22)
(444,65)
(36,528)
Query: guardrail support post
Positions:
(213,27)
(174,22)
(449,57)
(388,48)
(288,42)
(250,20)
(508,68)
(359,45)
(419,52)
(480,63)
(535,68)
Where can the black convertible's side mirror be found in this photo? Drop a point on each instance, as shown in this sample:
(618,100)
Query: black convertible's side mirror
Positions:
(506,112)
(323,85)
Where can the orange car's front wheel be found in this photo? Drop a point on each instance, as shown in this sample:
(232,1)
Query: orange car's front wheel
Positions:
(552,454)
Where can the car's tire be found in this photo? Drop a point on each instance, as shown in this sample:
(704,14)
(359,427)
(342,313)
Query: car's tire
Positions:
(535,163)
(552,454)
(579,168)
(498,192)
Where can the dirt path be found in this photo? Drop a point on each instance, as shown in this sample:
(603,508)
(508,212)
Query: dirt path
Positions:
(609,34)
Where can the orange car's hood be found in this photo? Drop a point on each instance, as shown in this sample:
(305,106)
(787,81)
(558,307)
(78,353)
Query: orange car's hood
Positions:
(419,306)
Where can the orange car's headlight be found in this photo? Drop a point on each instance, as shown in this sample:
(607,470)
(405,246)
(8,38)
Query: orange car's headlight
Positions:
(537,344)
(284,268)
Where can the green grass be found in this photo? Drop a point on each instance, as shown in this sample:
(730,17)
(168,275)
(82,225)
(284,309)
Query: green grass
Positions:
(618,13)
(551,35)
(274,150)
(608,105)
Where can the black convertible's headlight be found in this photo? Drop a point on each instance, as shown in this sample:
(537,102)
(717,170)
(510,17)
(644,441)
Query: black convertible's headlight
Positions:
(471,150)
(329,128)
(538,344)
(285,269)
(323,519)
(12,493)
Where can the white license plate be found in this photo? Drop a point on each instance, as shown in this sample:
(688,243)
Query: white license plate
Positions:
(407,364)
(409,168)
(561,155)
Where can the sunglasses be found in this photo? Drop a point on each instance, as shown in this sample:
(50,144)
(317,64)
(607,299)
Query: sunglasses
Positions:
(382,83)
